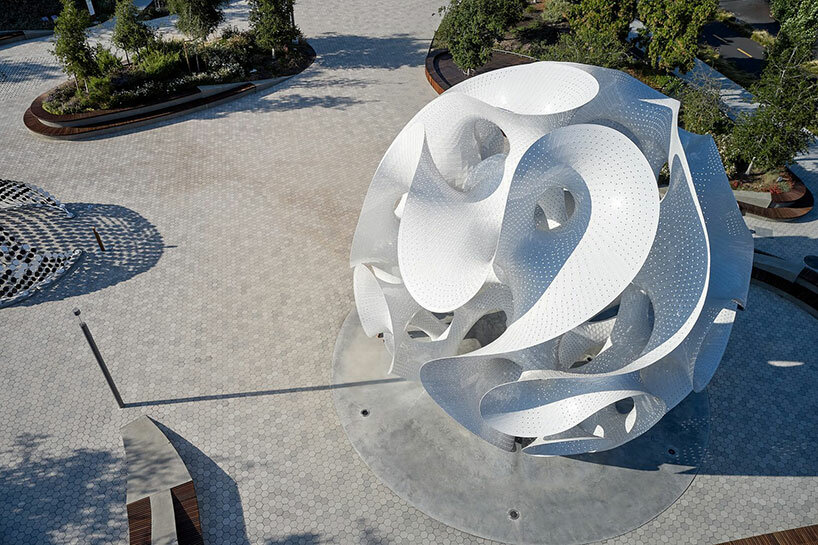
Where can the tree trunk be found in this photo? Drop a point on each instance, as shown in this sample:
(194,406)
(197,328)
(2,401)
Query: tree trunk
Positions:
(274,52)
(126,56)
(187,59)
(77,83)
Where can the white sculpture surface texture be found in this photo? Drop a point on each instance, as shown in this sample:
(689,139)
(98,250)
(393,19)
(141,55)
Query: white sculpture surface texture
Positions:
(528,197)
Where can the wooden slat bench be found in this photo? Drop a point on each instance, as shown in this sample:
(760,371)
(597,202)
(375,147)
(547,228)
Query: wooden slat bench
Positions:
(808,535)
(161,499)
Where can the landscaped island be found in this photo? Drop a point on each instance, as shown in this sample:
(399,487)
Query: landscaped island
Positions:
(147,73)
(753,147)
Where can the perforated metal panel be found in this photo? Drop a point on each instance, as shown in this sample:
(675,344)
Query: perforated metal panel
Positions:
(532,190)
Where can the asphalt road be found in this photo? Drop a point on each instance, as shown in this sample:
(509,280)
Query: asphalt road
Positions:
(743,52)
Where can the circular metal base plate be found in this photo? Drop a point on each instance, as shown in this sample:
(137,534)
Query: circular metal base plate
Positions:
(438,466)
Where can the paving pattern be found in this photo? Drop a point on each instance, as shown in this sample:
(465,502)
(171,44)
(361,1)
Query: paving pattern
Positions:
(221,291)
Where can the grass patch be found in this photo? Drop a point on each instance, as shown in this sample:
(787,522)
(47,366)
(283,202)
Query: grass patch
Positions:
(763,38)
(728,19)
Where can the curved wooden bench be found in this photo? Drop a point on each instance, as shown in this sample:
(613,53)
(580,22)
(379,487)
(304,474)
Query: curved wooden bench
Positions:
(161,499)
(791,280)
(442,73)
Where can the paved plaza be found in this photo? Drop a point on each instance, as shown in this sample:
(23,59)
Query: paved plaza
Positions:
(222,289)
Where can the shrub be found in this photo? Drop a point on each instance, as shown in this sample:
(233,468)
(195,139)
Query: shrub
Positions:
(701,111)
(471,28)
(555,11)
(100,90)
(586,47)
(157,64)
(107,62)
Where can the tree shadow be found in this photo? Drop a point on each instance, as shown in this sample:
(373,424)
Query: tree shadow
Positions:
(307,538)
(220,507)
(22,71)
(45,498)
(355,52)
(132,244)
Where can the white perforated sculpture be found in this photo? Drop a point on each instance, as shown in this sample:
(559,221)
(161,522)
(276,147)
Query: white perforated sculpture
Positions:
(532,192)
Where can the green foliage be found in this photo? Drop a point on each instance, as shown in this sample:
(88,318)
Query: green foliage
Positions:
(130,34)
(471,28)
(159,64)
(609,17)
(586,46)
(197,19)
(555,11)
(71,42)
(99,91)
(107,62)
(272,23)
(799,28)
(783,9)
(788,98)
(672,30)
(700,108)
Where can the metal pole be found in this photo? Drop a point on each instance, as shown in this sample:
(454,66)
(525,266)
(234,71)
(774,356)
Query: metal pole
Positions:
(99,241)
(100,361)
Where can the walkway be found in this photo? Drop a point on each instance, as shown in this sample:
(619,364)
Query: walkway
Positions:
(223,287)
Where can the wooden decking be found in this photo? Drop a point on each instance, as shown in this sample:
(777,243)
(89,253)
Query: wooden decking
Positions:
(139,522)
(186,512)
(808,535)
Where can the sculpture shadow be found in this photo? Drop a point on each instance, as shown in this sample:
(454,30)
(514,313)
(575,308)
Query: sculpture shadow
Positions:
(220,507)
(79,494)
(132,244)
(762,409)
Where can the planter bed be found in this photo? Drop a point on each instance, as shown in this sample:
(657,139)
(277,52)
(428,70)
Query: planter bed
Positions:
(88,124)
(442,73)
(782,206)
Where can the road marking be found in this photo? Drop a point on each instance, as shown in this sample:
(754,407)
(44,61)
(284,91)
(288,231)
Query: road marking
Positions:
(720,38)
(740,49)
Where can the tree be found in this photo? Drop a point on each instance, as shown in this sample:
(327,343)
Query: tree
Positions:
(71,43)
(130,34)
(788,102)
(273,24)
(197,19)
(471,28)
(799,25)
(609,17)
(585,46)
(672,30)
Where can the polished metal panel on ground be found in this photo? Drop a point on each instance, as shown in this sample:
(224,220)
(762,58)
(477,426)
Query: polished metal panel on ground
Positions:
(531,192)
(438,466)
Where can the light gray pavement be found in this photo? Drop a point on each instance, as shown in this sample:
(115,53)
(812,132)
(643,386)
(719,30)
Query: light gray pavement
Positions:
(222,290)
